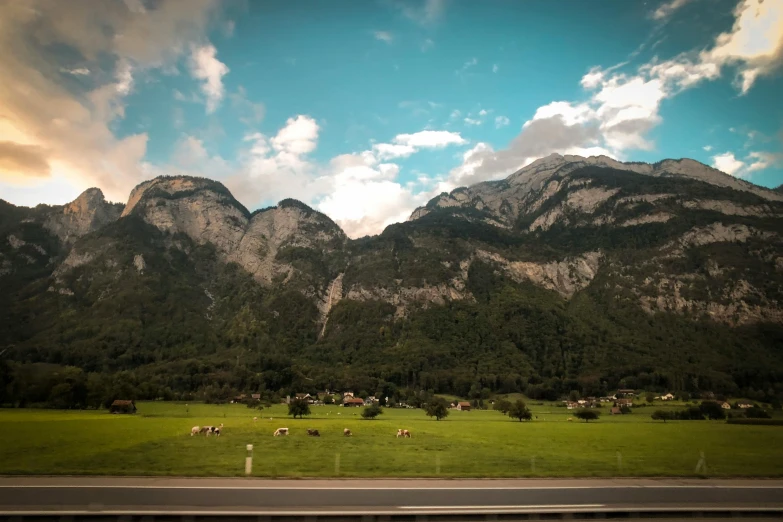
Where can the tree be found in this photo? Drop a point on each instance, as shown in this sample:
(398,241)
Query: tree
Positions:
(519,411)
(372,411)
(662,415)
(502,406)
(757,413)
(649,397)
(712,410)
(437,407)
(685,396)
(586,415)
(573,396)
(298,408)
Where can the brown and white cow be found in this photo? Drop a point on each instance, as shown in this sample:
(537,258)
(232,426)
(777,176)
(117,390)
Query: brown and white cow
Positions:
(313,433)
(281,431)
(195,430)
(347,432)
(403,433)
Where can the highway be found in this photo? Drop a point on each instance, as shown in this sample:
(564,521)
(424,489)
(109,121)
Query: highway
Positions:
(389,499)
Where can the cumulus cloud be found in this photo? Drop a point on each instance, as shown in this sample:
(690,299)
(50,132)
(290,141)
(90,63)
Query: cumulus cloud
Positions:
(707,148)
(384,36)
(429,139)
(67,131)
(727,163)
(755,42)
(205,66)
(622,108)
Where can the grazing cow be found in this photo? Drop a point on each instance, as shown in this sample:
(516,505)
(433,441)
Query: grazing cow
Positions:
(281,431)
(194,430)
(347,432)
(214,429)
(570,419)
(403,433)
(206,429)
(255,419)
(313,433)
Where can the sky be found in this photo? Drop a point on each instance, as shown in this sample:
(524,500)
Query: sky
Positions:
(366,109)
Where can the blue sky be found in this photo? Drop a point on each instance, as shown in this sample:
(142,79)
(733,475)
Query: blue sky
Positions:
(365,109)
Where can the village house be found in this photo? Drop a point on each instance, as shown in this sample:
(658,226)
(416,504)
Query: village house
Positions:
(370,400)
(122,406)
(725,405)
(572,405)
(347,395)
(256,396)
(625,393)
(667,397)
(745,405)
(616,411)
(463,406)
(353,401)
(304,397)
(623,402)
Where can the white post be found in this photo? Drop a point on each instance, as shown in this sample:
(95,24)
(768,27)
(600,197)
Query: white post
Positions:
(702,464)
(249,460)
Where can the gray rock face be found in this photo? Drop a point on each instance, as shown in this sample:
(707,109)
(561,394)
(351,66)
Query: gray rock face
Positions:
(526,190)
(206,212)
(87,213)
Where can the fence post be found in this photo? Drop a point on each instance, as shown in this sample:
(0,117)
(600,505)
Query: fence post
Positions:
(337,464)
(249,460)
(702,464)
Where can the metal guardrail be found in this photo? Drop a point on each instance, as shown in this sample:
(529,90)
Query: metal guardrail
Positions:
(540,513)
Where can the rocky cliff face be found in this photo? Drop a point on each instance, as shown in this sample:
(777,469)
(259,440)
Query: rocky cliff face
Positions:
(566,224)
(87,213)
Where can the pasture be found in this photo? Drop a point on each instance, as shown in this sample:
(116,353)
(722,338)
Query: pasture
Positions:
(157,441)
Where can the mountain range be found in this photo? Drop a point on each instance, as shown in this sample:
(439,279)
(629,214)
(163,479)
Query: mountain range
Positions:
(571,274)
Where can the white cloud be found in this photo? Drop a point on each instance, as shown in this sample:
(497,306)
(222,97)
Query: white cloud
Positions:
(707,148)
(755,42)
(384,36)
(471,121)
(389,150)
(299,136)
(80,71)
(429,139)
(667,8)
(501,121)
(69,128)
(593,78)
(205,66)
(495,68)
(727,163)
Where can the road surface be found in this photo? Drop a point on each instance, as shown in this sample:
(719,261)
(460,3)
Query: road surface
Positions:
(388,498)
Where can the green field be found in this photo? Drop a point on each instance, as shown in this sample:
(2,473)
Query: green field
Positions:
(157,441)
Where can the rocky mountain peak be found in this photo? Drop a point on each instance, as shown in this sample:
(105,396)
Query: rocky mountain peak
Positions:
(85,214)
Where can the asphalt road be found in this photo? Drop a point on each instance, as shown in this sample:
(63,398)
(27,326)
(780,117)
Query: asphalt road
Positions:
(269,497)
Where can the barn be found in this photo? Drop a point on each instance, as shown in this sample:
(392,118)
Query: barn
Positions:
(121,406)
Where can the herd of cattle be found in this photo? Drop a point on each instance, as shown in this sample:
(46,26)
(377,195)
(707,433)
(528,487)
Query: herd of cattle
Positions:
(208,430)
(215,430)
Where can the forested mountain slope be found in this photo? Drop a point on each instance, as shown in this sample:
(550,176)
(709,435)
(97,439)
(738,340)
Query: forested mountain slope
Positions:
(571,274)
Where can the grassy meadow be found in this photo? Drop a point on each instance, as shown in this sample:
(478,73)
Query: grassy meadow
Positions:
(157,441)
